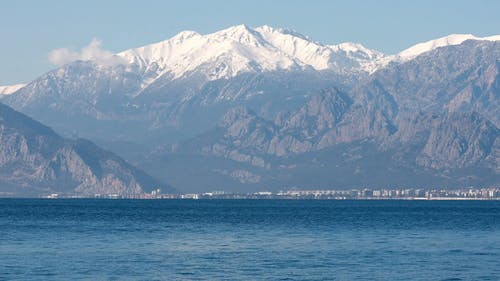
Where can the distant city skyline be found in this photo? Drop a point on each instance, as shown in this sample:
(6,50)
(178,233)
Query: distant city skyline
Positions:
(30,30)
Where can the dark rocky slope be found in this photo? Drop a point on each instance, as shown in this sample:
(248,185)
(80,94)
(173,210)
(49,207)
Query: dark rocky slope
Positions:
(34,161)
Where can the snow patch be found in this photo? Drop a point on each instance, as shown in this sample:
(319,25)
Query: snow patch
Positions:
(10,89)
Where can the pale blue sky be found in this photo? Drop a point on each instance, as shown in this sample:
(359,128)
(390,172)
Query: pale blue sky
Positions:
(29,30)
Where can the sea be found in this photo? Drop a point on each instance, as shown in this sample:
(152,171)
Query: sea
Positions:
(92,239)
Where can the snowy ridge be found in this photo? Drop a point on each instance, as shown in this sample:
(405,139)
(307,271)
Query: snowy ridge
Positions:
(230,51)
(450,40)
(238,49)
(10,89)
(241,49)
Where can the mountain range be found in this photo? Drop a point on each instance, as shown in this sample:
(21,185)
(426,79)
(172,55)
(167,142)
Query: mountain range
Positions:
(247,109)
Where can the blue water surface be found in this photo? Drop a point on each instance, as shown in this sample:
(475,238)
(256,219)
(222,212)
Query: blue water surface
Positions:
(249,240)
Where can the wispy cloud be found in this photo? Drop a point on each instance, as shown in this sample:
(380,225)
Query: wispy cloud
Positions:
(93,52)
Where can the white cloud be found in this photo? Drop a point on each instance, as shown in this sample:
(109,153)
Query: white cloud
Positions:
(92,52)
(62,56)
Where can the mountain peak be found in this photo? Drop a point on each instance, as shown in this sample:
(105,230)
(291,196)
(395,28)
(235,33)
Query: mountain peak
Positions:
(236,28)
(184,35)
(234,32)
(239,33)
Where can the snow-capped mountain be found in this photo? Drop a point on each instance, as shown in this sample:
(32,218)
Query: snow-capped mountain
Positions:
(241,49)
(156,95)
(10,89)
(157,85)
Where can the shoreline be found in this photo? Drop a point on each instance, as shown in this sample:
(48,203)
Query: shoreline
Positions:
(269,199)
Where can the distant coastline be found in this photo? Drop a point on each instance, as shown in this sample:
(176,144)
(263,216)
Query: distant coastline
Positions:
(491,193)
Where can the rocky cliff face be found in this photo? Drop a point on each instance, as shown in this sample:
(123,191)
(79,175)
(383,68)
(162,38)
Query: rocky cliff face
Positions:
(450,148)
(454,140)
(326,120)
(460,140)
(34,160)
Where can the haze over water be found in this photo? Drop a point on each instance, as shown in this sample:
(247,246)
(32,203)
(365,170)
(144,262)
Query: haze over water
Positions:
(249,240)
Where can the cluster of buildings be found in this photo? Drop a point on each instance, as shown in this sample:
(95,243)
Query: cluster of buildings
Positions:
(410,193)
(492,193)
